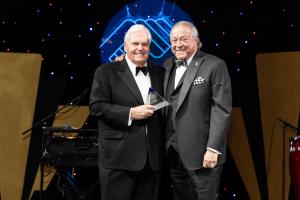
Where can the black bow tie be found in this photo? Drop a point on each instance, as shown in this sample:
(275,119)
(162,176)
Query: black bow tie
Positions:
(143,69)
(180,63)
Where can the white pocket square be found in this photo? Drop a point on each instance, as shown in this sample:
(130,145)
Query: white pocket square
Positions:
(199,80)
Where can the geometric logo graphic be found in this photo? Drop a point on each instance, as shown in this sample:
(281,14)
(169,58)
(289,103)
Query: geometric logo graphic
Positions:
(157,15)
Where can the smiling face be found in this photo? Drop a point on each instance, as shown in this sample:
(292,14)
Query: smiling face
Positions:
(183,43)
(137,47)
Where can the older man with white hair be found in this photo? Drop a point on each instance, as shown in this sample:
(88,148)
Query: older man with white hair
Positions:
(198,87)
(130,131)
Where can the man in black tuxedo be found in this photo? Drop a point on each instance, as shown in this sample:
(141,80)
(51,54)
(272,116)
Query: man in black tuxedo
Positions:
(198,87)
(130,132)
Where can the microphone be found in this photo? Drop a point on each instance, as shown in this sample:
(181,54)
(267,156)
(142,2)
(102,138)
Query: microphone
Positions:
(79,98)
(72,102)
(288,124)
(85,92)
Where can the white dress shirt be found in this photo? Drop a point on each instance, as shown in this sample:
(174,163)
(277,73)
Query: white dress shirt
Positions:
(143,82)
(180,71)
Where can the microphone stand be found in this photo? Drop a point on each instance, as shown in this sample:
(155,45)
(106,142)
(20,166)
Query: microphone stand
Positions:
(76,100)
(283,163)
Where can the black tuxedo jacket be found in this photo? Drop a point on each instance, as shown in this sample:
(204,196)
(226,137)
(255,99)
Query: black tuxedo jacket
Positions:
(202,114)
(113,93)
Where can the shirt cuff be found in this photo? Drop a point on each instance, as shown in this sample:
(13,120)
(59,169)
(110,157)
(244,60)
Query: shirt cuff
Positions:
(129,118)
(213,150)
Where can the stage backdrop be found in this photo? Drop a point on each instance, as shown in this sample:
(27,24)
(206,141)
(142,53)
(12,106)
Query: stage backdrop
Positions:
(278,77)
(19,78)
(278,83)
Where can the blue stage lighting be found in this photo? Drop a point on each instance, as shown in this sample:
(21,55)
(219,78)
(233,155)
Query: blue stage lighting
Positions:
(157,15)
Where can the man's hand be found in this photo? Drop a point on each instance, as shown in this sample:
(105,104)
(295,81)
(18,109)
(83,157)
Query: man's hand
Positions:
(210,159)
(142,112)
(120,58)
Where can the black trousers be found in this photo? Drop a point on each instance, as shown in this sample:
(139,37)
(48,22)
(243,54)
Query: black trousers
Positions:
(129,185)
(200,184)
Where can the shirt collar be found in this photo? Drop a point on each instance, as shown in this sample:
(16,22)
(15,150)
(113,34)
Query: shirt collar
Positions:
(131,65)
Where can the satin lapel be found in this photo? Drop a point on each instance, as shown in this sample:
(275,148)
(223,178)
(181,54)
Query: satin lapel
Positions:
(126,76)
(153,77)
(189,77)
(168,69)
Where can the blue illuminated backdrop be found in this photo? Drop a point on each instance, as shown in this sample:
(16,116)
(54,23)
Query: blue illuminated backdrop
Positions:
(67,35)
(158,15)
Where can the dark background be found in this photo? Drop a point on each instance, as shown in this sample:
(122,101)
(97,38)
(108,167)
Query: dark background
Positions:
(235,30)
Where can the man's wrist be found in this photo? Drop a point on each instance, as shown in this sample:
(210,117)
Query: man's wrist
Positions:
(213,150)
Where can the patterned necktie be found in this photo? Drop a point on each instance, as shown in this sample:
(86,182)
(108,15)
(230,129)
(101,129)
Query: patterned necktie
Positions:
(143,69)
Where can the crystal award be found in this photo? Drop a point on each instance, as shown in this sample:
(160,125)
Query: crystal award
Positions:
(156,100)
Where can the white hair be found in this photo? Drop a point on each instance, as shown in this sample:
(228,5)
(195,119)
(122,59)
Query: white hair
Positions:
(135,28)
(192,27)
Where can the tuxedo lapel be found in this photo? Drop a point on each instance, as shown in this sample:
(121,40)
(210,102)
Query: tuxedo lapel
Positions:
(191,72)
(126,76)
(168,69)
(153,77)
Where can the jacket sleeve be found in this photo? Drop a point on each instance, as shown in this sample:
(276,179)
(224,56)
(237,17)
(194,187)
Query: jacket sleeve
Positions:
(221,106)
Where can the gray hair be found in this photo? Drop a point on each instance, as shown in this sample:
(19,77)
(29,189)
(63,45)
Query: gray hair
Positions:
(192,27)
(135,28)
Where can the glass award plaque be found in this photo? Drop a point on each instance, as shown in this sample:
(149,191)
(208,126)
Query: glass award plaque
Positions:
(156,100)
